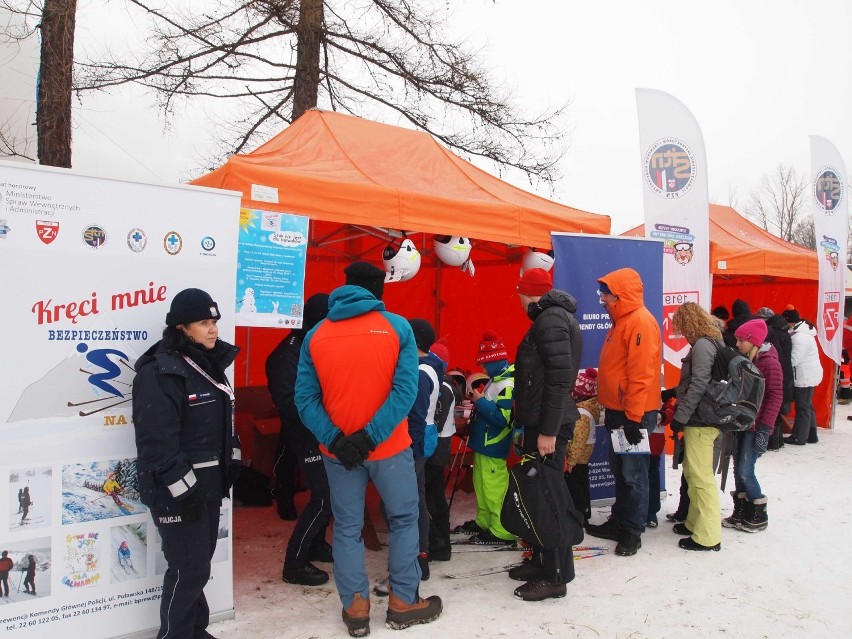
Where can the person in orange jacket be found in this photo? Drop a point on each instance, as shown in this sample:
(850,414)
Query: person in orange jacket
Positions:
(629,390)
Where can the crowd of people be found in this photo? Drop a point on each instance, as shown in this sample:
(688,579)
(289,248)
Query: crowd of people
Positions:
(396,431)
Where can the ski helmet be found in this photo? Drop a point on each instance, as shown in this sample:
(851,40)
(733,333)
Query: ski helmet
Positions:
(453,250)
(124,544)
(401,263)
(477,381)
(536,259)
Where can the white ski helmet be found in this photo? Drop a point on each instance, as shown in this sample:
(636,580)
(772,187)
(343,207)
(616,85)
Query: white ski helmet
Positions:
(453,250)
(476,381)
(401,264)
(536,259)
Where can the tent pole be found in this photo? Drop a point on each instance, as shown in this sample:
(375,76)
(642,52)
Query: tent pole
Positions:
(438,302)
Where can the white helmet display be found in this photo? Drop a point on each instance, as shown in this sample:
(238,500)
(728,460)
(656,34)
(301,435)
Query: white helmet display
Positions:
(401,264)
(476,381)
(453,250)
(536,259)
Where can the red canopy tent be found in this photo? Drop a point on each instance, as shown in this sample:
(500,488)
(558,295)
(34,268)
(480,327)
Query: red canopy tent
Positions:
(750,263)
(361,183)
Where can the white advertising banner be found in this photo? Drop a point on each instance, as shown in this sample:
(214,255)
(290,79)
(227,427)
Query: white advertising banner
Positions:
(89,269)
(829,203)
(677,209)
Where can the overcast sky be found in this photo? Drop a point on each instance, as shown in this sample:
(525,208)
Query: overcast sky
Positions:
(758,75)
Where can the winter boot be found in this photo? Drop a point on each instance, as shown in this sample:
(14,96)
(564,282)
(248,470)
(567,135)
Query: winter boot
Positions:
(307,575)
(607,530)
(539,590)
(402,615)
(736,517)
(755,518)
(628,544)
(357,616)
(529,570)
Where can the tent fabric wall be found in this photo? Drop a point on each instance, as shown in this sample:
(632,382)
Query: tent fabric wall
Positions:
(749,263)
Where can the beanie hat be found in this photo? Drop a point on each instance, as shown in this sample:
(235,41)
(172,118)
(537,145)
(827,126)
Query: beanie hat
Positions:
(721,312)
(587,384)
(535,282)
(765,312)
(424,334)
(792,316)
(191,305)
(441,349)
(492,348)
(316,309)
(366,275)
(753,331)
(740,308)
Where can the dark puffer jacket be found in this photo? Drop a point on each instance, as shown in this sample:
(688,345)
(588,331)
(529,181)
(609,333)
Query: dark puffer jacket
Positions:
(779,337)
(185,439)
(546,366)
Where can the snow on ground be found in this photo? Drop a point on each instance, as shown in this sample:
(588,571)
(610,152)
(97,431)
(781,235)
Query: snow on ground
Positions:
(791,580)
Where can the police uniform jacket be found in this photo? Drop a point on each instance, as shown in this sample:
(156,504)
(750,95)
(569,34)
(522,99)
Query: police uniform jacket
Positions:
(185,438)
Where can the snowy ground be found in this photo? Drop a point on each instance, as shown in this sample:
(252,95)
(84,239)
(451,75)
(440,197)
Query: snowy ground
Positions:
(790,581)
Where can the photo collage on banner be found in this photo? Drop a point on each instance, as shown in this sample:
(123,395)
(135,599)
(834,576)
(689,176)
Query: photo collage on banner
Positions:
(90,268)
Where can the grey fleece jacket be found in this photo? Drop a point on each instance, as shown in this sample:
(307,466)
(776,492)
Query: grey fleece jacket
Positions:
(695,376)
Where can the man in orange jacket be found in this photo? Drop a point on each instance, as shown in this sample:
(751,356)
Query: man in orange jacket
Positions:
(629,389)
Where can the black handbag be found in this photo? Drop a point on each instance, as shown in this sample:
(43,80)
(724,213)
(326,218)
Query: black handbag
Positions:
(538,507)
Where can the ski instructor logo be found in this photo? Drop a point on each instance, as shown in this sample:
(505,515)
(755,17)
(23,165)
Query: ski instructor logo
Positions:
(670,168)
(828,189)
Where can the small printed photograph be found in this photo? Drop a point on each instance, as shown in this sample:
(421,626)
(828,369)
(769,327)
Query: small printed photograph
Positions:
(129,552)
(221,552)
(24,570)
(29,498)
(100,490)
(84,562)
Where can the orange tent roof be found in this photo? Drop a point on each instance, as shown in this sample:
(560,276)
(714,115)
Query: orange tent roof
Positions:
(345,169)
(738,247)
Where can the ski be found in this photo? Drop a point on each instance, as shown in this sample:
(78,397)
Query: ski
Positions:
(482,572)
(477,548)
(468,542)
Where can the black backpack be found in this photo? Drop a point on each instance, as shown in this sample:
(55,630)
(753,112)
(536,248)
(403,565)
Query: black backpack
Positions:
(733,397)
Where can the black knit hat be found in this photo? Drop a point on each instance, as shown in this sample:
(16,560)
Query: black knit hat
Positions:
(366,276)
(424,334)
(316,309)
(192,305)
(792,316)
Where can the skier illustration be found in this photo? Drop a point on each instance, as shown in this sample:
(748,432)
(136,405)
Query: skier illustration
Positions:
(6,564)
(124,557)
(29,579)
(25,501)
(112,488)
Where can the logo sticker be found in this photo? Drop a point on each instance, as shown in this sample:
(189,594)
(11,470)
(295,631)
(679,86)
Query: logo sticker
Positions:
(828,189)
(208,243)
(670,168)
(46,230)
(94,236)
(173,242)
(137,240)
(4,229)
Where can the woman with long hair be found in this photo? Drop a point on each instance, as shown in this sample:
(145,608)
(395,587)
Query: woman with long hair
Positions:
(702,529)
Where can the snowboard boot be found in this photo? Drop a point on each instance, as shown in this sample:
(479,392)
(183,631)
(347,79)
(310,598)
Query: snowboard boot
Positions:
(736,517)
(402,615)
(755,518)
(357,616)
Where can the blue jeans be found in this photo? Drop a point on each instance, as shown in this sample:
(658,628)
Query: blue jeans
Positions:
(630,509)
(395,480)
(745,480)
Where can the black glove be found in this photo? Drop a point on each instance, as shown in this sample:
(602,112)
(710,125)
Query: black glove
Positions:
(361,440)
(234,470)
(190,507)
(761,439)
(786,408)
(677,427)
(346,452)
(633,433)
(668,394)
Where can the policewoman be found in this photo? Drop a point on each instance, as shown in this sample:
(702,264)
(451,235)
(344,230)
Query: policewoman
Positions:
(188,452)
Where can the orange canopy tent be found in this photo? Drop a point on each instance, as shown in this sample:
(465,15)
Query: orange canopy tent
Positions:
(361,183)
(751,264)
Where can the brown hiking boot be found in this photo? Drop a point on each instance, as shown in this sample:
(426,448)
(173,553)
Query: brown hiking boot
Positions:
(357,616)
(402,615)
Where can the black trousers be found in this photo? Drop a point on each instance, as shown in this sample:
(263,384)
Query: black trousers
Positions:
(188,548)
(558,564)
(312,523)
(4,586)
(577,480)
(439,511)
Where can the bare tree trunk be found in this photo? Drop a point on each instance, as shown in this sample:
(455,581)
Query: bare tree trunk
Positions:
(306,80)
(53,109)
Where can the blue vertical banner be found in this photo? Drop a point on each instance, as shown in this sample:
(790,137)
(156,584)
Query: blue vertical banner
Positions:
(271,269)
(579,261)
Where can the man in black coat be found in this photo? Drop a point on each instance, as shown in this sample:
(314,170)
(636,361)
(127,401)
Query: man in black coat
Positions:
(307,542)
(546,369)
(779,337)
